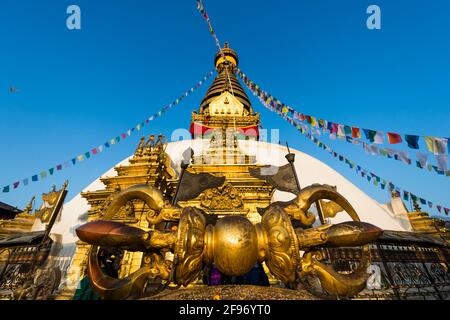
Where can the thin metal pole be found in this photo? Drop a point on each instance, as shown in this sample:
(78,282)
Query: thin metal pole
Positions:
(184,166)
(290,157)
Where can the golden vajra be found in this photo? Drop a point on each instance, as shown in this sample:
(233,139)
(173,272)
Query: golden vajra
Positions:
(233,244)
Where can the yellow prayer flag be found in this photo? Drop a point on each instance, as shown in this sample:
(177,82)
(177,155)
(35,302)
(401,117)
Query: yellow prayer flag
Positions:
(80,157)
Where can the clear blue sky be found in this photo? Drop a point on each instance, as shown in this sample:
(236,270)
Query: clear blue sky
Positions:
(79,88)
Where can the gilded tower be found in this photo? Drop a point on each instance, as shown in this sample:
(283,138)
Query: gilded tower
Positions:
(226,105)
(225,120)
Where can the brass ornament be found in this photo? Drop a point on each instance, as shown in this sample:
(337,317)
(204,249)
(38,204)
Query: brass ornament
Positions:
(221,198)
(190,245)
(282,250)
(233,244)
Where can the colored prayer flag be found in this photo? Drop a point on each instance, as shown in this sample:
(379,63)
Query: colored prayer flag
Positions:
(34,178)
(436,145)
(394,138)
(356,133)
(370,134)
(406,195)
(6,189)
(16,184)
(413,141)
(347,130)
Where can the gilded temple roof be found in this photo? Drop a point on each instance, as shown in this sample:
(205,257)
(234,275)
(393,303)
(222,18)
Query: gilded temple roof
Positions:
(226,74)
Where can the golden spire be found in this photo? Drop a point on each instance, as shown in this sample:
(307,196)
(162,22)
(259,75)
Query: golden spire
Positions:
(226,76)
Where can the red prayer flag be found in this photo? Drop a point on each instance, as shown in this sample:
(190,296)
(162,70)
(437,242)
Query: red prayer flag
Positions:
(394,138)
(356,133)
(94,151)
(446,211)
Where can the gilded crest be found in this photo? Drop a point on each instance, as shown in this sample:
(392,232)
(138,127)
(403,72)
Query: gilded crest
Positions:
(222,198)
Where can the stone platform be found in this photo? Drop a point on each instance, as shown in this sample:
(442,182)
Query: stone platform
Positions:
(233,292)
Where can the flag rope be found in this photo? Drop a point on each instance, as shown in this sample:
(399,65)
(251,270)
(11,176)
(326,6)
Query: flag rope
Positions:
(348,133)
(202,10)
(435,145)
(377,180)
(87,155)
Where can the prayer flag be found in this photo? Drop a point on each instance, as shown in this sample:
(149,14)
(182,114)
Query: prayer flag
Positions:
(51,170)
(406,195)
(379,137)
(34,178)
(413,141)
(347,130)
(16,184)
(356,133)
(436,145)
(6,189)
(422,158)
(341,132)
(370,134)
(25,181)
(334,128)
(442,161)
(394,138)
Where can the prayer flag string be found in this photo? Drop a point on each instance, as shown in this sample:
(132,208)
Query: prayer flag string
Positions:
(353,134)
(436,145)
(104,146)
(371,177)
